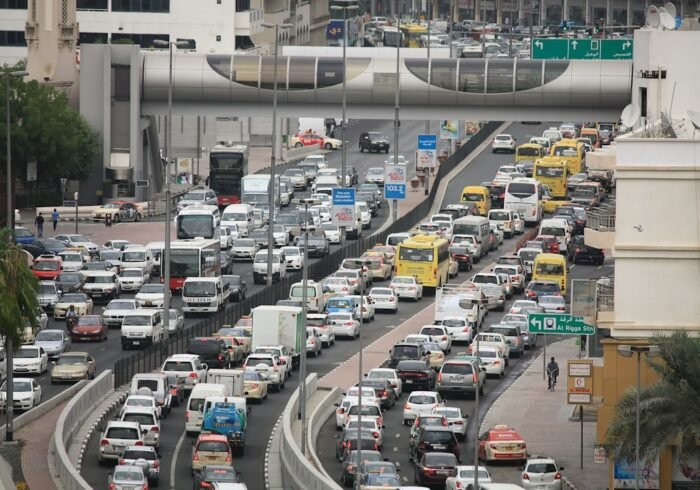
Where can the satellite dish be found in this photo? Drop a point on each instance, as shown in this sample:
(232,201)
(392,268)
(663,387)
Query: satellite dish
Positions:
(653,18)
(630,115)
(667,20)
(671,9)
(694,118)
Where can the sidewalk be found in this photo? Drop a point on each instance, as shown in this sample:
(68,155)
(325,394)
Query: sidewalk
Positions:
(543,419)
(35,453)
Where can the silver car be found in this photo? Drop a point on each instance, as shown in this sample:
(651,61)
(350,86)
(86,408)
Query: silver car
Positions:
(244,249)
(375,175)
(127,477)
(455,420)
(541,474)
(54,342)
(199,196)
(144,457)
(48,294)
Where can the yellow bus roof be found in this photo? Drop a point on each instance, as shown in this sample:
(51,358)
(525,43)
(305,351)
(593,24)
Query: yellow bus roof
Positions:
(544,257)
(423,241)
(474,188)
(551,161)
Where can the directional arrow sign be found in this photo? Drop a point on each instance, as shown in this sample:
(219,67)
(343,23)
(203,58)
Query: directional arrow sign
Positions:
(558,324)
(584,49)
(616,49)
(550,49)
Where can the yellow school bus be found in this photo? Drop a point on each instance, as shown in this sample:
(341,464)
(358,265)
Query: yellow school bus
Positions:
(550,267)
(529,152)
(425,257)
(552,172)
(572,152)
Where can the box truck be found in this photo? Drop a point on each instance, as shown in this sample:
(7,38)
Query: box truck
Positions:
(279,325)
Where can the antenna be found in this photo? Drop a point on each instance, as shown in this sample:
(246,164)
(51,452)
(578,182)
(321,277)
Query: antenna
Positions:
(667,130)
(671,9)
(667,21)
(694,118)
(630,115)
(652,16)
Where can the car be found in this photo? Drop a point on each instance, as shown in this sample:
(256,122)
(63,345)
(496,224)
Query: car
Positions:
(210,475)
(314,346)
(75,240)
(332,232)
(344,325)
(117,245)
(276,368)
(132,278)
(502,443)
(433,437)
(416,375)
(71,261)
(150,296)
(210,449)
(185,367)
(47,267)
(389,375)
(255,383)
(540,473)
(368,423)
(318,245)
(433,468)
(349,464)
(529,339)
(148,419)
(338,285)
(241,333)
(322,324)
(127,476)
(575,180)
(297,177)
(456,421)
(48,245)
(384,299)
(118,211)
(383,390)
(310,138)
(401,160)
(491,358)
(237,286)
(54,342)
(73,366)
(143,401)
(90,327)
(407,287)
(579,252)
(349,442)
(115,310)
(24,235)
(439,334)
(26,394)
(30,359)
(512,334)
(116,436)
(197,196)
(503,143)
(375,175)
(144,457)
(373,141)
(535,289)
(552,303)
(463,477)
(244,249)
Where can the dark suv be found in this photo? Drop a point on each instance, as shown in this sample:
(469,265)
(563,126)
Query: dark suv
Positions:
(374,142)
(578,251)
(406,351)
(213,351)
(433,438)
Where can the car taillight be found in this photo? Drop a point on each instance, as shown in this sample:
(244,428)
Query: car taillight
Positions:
(112,486)
(205,484)
(496,362)
(444,337)
(375,434)
(345,288)
(155,429)
(376,446)
(429,471)
(407,406)
(475,379)
(195,456)
(255,386)
(122,461)
(434,270)
(391,298)
(439,378)
(454,256)
(502,195)
(458,484)
(383,393)
(104,442)
(138,443)
(194,375)
(156,464)
(228,458)
(221,358)
(348,324)
(526,476)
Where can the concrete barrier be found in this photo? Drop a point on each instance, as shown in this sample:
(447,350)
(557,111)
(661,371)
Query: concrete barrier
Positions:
(318,417)
(70,420)
(151,208)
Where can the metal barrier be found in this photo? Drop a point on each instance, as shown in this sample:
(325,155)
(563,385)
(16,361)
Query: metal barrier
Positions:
(70,420)
(605,294)
(153,356)
(601,220)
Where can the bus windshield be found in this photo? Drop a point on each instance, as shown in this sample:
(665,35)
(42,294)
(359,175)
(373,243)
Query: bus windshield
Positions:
(521,189)
(552,172)
(528,152)
(194,226)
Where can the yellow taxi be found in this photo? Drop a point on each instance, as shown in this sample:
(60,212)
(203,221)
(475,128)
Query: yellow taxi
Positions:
(210,449)
(255,384)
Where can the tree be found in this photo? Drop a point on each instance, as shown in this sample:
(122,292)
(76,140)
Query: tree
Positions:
(18,305)
(668,409)
(46,129)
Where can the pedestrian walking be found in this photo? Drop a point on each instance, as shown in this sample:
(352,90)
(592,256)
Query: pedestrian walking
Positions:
(54,218)
(39,222)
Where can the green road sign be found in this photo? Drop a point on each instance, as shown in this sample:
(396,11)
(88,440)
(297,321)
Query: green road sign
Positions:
(558,324)
(550,49)
(616,49)
(584,49)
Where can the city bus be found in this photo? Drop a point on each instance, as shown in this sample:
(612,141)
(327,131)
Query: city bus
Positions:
(198,221)
(227,166)
(192,258)
(425,257)
(572,152)
(529,152)
(525,196)
(386,36)
(412,34)
(552,172)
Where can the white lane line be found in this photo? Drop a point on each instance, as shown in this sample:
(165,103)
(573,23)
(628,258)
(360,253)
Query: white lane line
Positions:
(174,460)
(572,266)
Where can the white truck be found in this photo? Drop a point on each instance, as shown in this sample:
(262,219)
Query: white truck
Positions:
(458,300)
(204,295)
(279,325)
(232,378)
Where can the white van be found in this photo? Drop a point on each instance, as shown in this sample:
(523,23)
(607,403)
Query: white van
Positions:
(233,378)
(505,217)
(315,297)
(395,238)
(279,266)
(141,328)
(139,257)
(240,215)
(477,226)
(156,249)
(195,404)
(204,295)
(557,228)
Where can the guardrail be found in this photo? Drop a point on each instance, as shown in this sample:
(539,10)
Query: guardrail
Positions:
(601,219)
(70,421)
(605,294)
(318,417)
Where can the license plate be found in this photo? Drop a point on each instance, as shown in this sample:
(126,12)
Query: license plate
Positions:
(457,378)
(409,381)
(439,446)
(118,449)
(148,303)
(84,338)
(136,342)
(443,472)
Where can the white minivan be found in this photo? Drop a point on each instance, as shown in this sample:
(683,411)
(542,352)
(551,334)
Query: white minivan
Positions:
(156,249)
(141,328)
(238,214)
(315,297)
(204,295)
(194,413)
(559,229)
(139,257)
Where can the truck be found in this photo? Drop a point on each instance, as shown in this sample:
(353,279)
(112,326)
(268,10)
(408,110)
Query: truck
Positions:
(458,300)
(280,325)
(227,416)
(256,189)
(232,378)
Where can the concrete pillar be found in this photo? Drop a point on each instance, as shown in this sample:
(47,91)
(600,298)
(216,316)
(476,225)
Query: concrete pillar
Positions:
(629,13)
(477,11)
(608,13)
(565,10)
(587,13)
(499,11)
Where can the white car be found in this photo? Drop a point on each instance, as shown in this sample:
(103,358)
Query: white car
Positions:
(150,296)
(520,305)
(364,310)
(25,396)
(344,325)
(314,346)
(401,160)
(72,261)
(458,328)
(332,232)
(320,322)
(514,273)
(73,240)
(455,421)
(187,368)
(541,474)
(353,277)
(439,334)
(388,374)
(280,235)
(375,175)
(338,285)
(504,143)
(142,401)
(493,359)
(506,171)
(552,304)
(132,278)
(324,212)
(114,312)
(384,299)
(244,249)
(420,402)
(518,224)
(371,424)
(227,234)
(322,198)
(368,395)
(365,214)
(281,352)
(30,359)
(341,410)
(464,477)
(407,287)
(294,256)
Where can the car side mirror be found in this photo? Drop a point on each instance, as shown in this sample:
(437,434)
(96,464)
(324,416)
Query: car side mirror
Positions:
(561,468)
(205,366)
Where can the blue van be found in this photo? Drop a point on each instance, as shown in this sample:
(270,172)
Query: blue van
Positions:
(340,304)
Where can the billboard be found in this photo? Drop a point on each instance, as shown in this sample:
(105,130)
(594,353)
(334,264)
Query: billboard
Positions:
(686,470)
(449,129)
(623,474)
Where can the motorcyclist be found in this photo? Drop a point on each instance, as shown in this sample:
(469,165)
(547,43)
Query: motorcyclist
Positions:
(71,317)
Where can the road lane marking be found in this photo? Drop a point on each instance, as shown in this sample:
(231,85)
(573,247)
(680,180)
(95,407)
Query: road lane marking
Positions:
(178,446)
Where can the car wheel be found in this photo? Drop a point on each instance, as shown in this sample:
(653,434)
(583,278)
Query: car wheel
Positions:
(328,146)
(298,145)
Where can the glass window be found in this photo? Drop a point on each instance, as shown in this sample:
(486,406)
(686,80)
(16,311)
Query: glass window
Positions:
(242,5)
(267,73)
(88,4)
(141,6)
(500,73)
(92,38)
(471,76)
(553,69)
(121,87)
(15,4)
(528,74)
(418,68)
(443,74)
(330,72)
(301,73)
(245,70)
(143,40)
(12,38)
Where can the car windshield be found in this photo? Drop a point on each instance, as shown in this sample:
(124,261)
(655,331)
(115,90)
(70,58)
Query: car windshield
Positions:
(473,197)
(213,446)
(178,366)
(244,243)
(506,331)
(49,336)
(70,360)
(454,322)
(121,305)
(487,354)
(69,277)
(140,418)
(468,474)
(132,273)
(541,468)
(110,255)
(416,254)
(137,320)
(381,292)
(549,269)
(148,455)
(46,265)
(555,300)
(220,474)
(128,475)
(422,399)
(529,255)
(27,353)
(122,433)
(152,289)
(100,280)
(199,288)
(499,216)
(78,239)
(432,331)
(193,196)
(339,317)
(234,217)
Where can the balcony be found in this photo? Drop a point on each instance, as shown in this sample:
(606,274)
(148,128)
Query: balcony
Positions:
(248,23)
(600,227)
(605,302)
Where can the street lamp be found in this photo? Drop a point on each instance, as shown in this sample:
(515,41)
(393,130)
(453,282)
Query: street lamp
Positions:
(397,100)
(165,260)
(629,351)
(273,187)
(306,202)
(10,210)
(363,264)
(476,407)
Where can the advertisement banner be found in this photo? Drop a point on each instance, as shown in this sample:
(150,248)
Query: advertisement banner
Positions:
(623,474)
(449,129)
(426,159)
(471,128)
(395,182)
(343,212)
(686,470)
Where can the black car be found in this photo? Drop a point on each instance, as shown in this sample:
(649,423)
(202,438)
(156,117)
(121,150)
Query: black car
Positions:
(373,142)
(206,477)
(406,351)
(212,350)
(577,214)
(35,250)
(497,193)
(98,265)
(416,375)
(51,245)
(577,251)
(237,286)
(462,256)
(70,282)
(374,189)
(318,244)
(433,438)
(260,236)
(383,390)
(349,463)
(348,443)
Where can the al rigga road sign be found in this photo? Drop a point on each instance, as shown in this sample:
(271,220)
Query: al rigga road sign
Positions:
(558,324)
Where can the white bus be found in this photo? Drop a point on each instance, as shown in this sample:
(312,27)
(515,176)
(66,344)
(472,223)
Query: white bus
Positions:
(198,221)
(524,196)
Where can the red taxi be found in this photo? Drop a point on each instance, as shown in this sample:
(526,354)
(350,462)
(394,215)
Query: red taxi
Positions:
(502,443)
(47,267)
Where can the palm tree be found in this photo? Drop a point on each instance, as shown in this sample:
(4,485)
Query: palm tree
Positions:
(18,306)
(669,412)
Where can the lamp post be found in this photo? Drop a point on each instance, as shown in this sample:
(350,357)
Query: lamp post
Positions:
(10,211)
(165,261)
(363,264)
(273,157)
(344,123)
(306,202)
(629,351)
(397,101)
(476,410)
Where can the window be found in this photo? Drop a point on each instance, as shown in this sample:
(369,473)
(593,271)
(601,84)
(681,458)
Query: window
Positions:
(418,68)
(143,40)
(643,100)
(191,43)
(242,43)
(121,88)
(13,4)
(242,5)
(330,72)
(443,74)
(12,38)
(267,72)
(245,70)
(500,76)
(91,4)
(528,74)
(153,6)
(301,73)
(553,69)
(92,38)
(471,76)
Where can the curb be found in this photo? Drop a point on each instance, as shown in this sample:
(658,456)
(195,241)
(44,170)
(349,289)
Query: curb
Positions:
(266,470)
